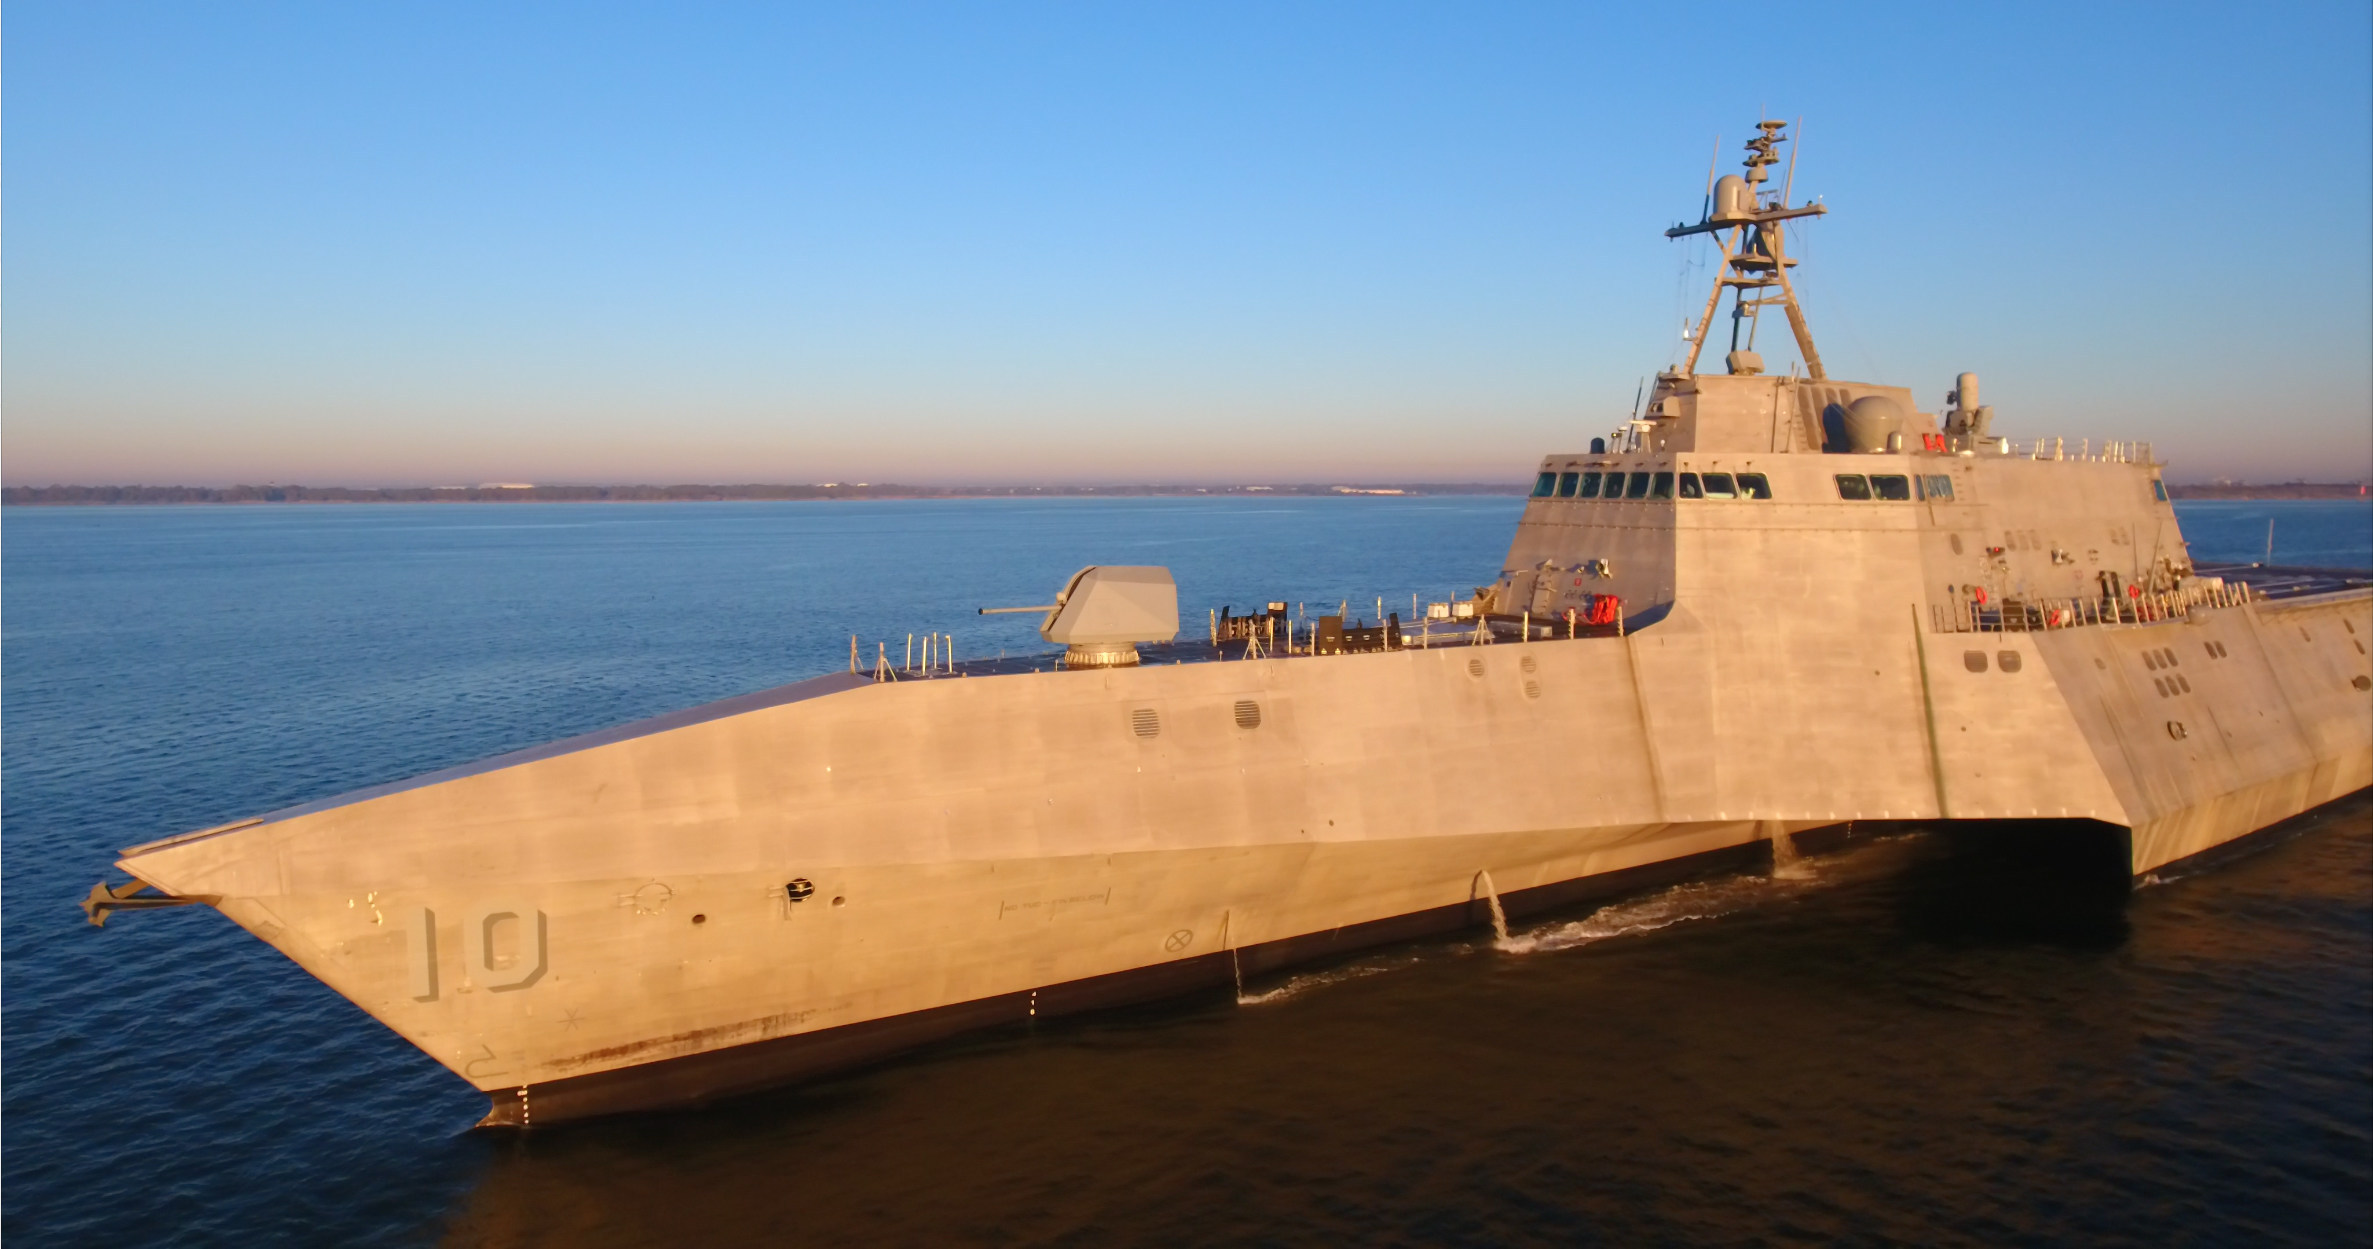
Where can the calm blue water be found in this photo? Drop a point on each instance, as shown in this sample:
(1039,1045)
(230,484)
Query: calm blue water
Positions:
(1885,1051)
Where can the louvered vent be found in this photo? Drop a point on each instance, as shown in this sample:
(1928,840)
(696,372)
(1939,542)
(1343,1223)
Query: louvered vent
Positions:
(1527,663)
(1145,722)
(1474,667)
(1532,689)
(1248,714)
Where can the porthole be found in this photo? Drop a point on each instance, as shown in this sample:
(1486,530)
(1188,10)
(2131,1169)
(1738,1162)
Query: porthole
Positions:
(1975,661)
(2008,659)
(1248,714)
(2176,730)
(1956,541)
(1145,722)
(700,919)
(800,889)
(2184,683)
(2160,684)
(2150,660)
(1475,667)
(2361,682)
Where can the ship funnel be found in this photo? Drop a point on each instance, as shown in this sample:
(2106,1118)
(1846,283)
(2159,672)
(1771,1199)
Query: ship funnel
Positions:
(1104,611)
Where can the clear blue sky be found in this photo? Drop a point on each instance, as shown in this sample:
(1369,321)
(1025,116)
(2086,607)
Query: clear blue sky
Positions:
(374,244)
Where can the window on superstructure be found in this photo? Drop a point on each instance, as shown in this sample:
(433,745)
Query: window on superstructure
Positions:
(1663,487)
(1689,487)
(1590,485)
(1566,483)
(2158,490)
(1755,486)
(1939,488)
(1853,486)
(1718,486)
(1893,487)
(1545,486)
(1614,488)
(1637,487)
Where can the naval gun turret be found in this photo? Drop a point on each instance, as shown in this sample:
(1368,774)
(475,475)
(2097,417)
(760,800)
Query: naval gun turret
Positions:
(1104,611)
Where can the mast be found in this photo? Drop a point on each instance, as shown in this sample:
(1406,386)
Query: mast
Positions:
(1746,222)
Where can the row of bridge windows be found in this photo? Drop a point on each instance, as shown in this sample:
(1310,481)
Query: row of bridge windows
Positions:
(1580,485)
(1894,487)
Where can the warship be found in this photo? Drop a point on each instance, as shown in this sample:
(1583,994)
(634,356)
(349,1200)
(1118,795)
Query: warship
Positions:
(1766,604)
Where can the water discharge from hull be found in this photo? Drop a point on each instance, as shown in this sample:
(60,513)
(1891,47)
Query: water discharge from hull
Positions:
(1499,914)
(1787,864)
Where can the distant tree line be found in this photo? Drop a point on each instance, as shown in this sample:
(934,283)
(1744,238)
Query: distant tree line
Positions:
(18,496)
(2278,490)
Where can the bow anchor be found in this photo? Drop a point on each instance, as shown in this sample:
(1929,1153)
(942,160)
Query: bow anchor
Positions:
(106,899)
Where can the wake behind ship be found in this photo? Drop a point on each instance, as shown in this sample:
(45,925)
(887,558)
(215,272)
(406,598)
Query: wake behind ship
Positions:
(1765,605)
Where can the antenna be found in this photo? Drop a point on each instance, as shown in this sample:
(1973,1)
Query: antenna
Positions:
(1711,162)
(1789,183)
(1635,398)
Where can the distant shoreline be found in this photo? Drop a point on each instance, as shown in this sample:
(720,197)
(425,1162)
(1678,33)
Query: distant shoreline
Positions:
(2285,490)
(105,496)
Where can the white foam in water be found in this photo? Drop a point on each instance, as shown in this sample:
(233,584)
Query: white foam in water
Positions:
(1295,986)
(1703,899)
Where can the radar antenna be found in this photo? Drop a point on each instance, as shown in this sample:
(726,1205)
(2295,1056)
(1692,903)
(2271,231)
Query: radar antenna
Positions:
(1745,222)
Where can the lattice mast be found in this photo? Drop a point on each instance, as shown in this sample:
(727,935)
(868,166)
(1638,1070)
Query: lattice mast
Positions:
(1745,221)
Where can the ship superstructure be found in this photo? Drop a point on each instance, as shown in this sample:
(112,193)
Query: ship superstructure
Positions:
(1767,604)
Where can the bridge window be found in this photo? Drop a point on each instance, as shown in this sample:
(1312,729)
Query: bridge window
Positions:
(1938,488)
(1566,483)
(1590,485)
(2158,490)
(1664,487)
(1614,486)
(1893,487)
(1853,486)
(1754,486)
(1718,486)
(1545,486)
(1689,487)
(1637,487)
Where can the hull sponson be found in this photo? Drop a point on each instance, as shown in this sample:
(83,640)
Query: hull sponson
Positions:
(699,1078)
(2267,720)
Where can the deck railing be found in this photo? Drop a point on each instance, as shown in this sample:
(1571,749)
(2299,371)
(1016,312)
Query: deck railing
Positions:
(2023,615)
